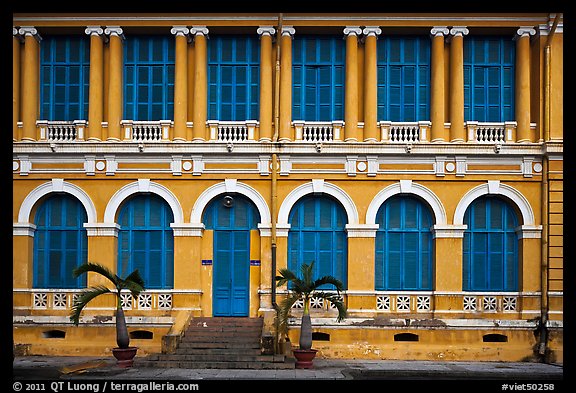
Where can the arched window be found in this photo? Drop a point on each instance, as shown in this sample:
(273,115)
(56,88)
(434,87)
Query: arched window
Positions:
(317,233)
(231,217)
(146,241)
(60,242)
(404,249)
(490,255)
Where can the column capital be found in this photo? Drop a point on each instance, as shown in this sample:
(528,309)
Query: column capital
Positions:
(16,34)
(459,31)
(525,31)
(180,30)
(266,30)
(198,30)
(114,30)
(29,31)
(288,30)
(372,30)
(94,30)
(355,30)
(438,31)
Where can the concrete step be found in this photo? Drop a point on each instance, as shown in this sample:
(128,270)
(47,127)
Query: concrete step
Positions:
(233,358)
(219,344)
(256,365)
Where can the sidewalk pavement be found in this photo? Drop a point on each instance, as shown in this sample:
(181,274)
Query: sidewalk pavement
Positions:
(105,368)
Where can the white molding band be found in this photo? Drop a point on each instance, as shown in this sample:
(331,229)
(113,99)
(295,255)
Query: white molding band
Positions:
(318,186)
(56,185)
(496,188)
(228,186)
(142,185)
(407,187)
(102,229)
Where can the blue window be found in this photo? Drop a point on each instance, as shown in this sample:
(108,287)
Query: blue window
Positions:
(403,67)
(146,241)
(233,78)
(149,77)
(64,77)
(60,242)
(490,246)
(489,79)
(404,250)
(318,64)
(317,233)
(231,224)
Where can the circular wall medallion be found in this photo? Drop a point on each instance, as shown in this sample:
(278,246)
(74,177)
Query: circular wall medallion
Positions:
(15,165)
(450,167)
(186,165)
(100,165)
(537,167)
(361,166)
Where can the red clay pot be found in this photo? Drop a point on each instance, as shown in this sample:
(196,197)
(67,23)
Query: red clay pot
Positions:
(124,356)
(304,357)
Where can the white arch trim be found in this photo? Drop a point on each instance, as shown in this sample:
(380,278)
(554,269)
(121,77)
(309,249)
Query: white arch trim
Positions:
(318,186)
(230,185)
(407,187)
(495,187)
(56,185)
(142,185)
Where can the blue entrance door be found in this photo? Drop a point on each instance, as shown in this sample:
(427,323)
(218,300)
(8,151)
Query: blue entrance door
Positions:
(231,218)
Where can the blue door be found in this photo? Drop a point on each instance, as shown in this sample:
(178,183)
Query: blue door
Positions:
(231,220)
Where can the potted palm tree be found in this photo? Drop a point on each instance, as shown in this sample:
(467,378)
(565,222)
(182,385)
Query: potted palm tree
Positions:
(124,353)
(304,288)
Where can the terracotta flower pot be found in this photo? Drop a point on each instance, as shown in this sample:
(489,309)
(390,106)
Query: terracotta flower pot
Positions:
(304,357)
(124,356)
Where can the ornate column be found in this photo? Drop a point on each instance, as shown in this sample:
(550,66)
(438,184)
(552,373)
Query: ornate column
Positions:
(96,88)
(437,84)
(351,87)
(115,87)
(200,83)
(457,131)
(180,82)
(266,98)
(286,84)
(16,41)
(371,83)
(523,84)
(30,85)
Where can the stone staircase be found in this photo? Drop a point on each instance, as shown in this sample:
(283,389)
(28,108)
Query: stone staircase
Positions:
(220,342)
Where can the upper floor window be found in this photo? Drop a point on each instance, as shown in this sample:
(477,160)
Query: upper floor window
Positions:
(403,78)
(489,79)
(318,64)
(64,77)
(149,77)
(233,78)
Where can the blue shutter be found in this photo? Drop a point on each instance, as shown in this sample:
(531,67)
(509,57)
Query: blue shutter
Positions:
(318,78)
(404,254)
(489,78)
(149,77)
(145,240)
(490,254)
(64,77)
(403,91)
(317,235)
(233,78)
(59,243)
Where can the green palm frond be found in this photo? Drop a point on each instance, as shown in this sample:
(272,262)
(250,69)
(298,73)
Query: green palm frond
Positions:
(83,299)
(329,280)
(97,268)
(134,282)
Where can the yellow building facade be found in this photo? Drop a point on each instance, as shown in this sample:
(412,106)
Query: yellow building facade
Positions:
(463,290)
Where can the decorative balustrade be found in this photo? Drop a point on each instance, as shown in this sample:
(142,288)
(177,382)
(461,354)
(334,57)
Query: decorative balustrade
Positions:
(64,299)
(146,131)
(61,131)
(404,132)
(487,132)
(318,131)
(232,131)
